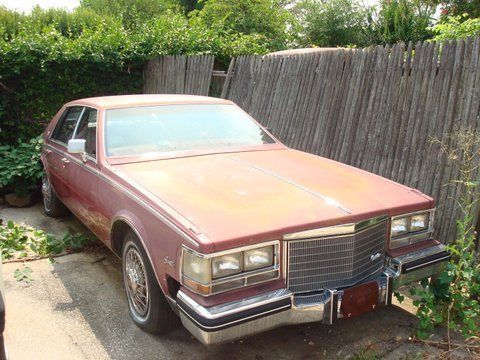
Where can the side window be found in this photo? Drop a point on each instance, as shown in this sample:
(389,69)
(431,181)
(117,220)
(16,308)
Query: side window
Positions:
(66,125)
(87,129)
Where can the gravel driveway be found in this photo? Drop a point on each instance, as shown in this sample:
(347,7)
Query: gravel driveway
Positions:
(75,308)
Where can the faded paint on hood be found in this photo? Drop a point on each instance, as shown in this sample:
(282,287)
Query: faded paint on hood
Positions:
(247,197)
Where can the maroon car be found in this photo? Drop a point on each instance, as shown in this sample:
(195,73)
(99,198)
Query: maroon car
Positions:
(218,222)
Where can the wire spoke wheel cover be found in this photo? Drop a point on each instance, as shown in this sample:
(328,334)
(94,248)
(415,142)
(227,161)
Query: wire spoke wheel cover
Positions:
(46,192)
(136,282)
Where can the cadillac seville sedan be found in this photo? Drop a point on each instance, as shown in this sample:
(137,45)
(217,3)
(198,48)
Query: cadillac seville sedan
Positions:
(219,223)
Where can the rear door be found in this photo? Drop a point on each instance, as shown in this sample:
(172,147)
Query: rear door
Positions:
(55,152)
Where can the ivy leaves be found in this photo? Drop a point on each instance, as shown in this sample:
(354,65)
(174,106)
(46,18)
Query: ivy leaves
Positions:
(20,166)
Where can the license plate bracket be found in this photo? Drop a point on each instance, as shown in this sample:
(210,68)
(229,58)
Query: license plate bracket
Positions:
(359,299)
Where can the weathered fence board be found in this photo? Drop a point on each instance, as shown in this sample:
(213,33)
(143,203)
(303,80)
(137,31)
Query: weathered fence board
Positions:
(375,108)
(178,75)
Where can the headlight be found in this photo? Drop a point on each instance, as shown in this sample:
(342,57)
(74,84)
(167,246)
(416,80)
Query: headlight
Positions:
(419,222)
(226,265)
(399,226)
(208,274)
(258,258)
(410,229)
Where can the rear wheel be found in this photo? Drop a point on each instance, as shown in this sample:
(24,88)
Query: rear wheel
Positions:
(52,206)
(147,305)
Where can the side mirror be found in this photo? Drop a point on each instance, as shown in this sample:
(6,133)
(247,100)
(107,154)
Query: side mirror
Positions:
(76,146)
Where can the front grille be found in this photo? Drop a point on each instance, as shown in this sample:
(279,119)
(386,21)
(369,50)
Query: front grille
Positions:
(335,262)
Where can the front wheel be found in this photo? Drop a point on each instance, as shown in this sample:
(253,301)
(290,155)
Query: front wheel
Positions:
(147,305)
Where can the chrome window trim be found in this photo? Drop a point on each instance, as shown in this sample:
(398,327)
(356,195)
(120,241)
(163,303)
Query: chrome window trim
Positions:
(50,134)
(245,275)
(67,108)
(78,122)
(337,230)
(87,155)
(275,141)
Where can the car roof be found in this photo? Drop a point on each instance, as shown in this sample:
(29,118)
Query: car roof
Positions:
(119,101)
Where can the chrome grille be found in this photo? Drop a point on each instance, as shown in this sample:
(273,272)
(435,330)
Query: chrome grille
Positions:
(335,261)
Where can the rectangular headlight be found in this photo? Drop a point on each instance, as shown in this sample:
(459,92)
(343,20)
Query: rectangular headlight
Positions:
(258,258)
(226,265)
(419,222)
(399,226)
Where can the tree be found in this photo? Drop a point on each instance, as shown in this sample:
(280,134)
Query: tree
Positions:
(460,7)
(330,23)
(403,20)
(264,17)
(132,12)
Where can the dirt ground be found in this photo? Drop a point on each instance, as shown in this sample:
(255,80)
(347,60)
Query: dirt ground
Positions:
(76,309)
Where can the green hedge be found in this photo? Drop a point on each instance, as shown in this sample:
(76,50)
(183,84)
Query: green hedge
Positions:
(44,66)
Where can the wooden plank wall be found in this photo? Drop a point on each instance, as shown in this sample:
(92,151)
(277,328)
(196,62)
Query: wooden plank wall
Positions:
(179,75)
(372,108)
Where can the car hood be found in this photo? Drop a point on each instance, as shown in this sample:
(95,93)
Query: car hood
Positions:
(247,197)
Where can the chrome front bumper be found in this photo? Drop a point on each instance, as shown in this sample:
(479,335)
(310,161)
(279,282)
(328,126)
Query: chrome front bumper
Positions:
(237,319)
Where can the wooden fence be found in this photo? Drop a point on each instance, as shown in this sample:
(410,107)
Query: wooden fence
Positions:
(178,75)
(373,108)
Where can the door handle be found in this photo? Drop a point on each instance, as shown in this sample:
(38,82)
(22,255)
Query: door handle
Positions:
(65,161)
(48,151)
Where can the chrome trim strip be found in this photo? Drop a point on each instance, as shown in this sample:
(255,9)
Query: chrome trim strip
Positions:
(327,199)
(235,250)
(235,321)
(134,197)
(234,307)
(402,259)
(150,208)
(74,159)
(429,262)
(337,230)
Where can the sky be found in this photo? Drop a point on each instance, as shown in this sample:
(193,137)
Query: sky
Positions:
(26,5)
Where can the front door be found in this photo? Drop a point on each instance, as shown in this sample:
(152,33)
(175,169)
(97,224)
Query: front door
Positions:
(81,185)
(56,148)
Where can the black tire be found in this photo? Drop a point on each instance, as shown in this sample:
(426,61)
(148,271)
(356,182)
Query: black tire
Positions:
(153,315)
(52,206)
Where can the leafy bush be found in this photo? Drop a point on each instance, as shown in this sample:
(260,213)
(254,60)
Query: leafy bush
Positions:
(45,244)
(51,57)
(13,238)
(456,27)
(20,166)
(452,298)
(16,239)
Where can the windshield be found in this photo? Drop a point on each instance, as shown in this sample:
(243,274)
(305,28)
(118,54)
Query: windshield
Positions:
(167,128)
